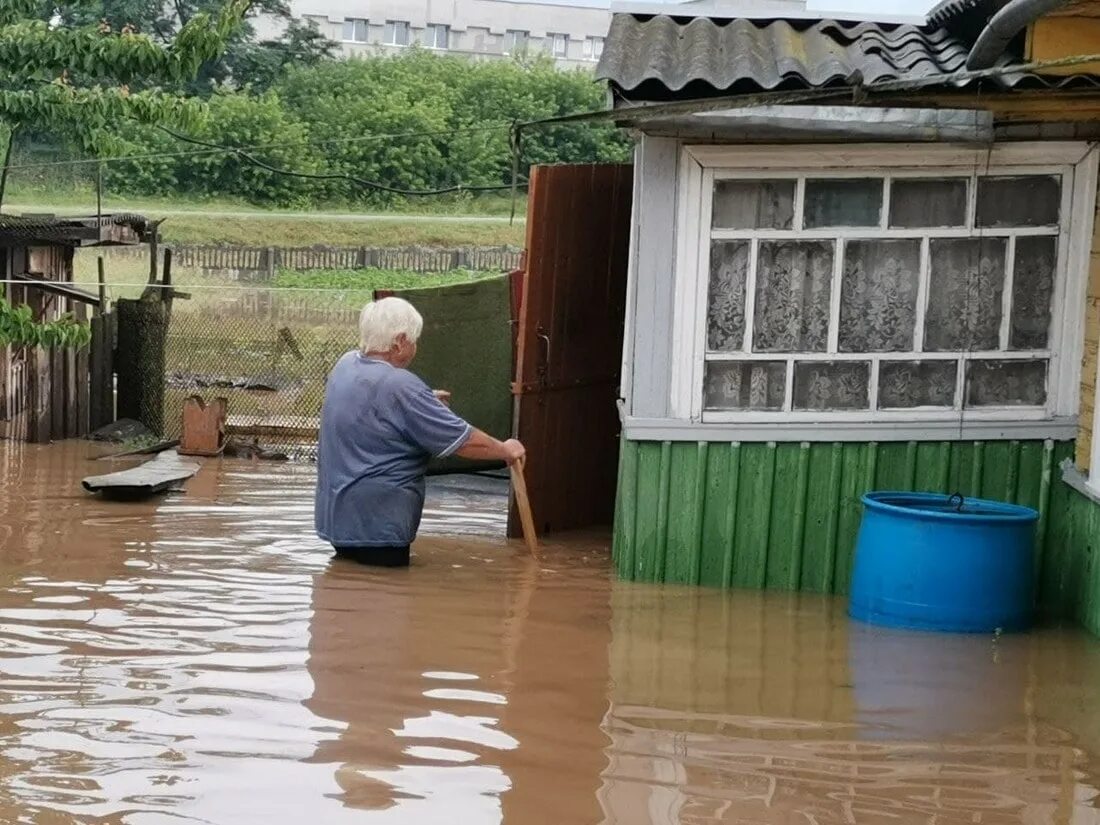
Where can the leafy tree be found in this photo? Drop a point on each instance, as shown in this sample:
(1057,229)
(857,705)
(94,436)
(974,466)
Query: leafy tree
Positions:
(244,60)
(232,120)
(75,81)
(414,122)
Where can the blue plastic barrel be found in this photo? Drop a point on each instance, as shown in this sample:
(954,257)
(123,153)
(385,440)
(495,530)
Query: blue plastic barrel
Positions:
(934,562)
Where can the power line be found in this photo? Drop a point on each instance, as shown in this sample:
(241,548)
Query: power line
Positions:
(213,148)
(368,184)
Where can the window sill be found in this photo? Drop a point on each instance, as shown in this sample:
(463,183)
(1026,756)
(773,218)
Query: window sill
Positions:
(1086,486)
(669,429)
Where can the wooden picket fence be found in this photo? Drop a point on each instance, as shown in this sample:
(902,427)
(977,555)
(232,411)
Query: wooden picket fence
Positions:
(44,393)
(262,262)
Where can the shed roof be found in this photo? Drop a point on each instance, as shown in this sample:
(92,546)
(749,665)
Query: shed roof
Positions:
(661,57)
(105,230)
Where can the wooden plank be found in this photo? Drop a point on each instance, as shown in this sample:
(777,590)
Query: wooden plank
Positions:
(82,376)
(101,388)
(57,394)
(69,406)
(287,426)
(569,343)
(654,262)
(152,449)
(39,421)
(63,290)
(1057,38)
(5,381)
(163,473)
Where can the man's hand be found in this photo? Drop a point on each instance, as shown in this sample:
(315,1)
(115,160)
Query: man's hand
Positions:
(513,451)
(442,396)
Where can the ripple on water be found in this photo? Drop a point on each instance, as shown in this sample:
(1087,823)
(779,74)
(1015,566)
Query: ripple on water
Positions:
(203,660)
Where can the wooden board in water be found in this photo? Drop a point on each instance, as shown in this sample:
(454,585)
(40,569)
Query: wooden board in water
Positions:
(163,473)
(272,426)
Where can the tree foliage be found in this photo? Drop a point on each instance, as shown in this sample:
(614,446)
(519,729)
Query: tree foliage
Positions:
(244,59)
(417,121)
(76,79)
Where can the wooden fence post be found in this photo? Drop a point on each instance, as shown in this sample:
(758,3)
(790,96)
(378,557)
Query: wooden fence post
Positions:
(39,418)
(101,392)
(57,393)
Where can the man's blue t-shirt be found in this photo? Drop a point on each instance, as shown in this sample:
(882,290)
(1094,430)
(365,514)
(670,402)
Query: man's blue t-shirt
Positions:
(380,425)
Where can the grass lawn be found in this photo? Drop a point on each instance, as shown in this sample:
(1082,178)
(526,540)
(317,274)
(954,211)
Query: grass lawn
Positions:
(278,230)
(432,222)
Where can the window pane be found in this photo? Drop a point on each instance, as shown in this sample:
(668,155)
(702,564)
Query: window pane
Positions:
(1019,201)
(964,295)
(843,202)
(1032,289)
(921,202)
(745,385)
(793,288)
(753,204)
(1006,383)
(878,297)
(835,385)
(355,30)
(729,264)
(903,384)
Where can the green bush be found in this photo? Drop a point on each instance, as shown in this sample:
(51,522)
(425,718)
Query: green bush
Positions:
(322,119)
(18,328)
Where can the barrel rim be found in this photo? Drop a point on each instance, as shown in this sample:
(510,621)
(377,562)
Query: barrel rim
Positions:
(1002,512)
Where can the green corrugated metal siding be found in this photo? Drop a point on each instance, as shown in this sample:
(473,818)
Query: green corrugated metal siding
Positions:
(1072,575)
(785,516)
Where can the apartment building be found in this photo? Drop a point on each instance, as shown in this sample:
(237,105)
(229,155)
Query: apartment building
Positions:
(570,31)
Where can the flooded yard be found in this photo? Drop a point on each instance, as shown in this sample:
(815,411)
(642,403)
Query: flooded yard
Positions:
(203,659)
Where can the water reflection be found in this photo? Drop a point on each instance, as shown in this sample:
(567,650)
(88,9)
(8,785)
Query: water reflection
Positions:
(204,660)
(808,718)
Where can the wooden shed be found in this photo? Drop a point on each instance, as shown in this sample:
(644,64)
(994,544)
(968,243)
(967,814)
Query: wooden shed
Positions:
(862,256)
(46,393)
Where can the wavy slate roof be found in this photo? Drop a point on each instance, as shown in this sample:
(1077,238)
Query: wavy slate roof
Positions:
(745,56)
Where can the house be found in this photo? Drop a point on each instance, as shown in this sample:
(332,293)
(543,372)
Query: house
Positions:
(863,256)
(570,31)
(48,393)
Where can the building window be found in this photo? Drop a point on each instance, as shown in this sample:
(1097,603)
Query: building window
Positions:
(397,33)
(437,36)
(515,41)
(481,37)
(557,44)
(593,48)
(355,30)
(876,294)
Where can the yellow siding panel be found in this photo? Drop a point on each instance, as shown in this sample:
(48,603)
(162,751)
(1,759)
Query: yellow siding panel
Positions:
(1055,38)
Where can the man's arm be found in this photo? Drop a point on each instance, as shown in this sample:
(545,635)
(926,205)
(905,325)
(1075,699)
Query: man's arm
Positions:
(481,446)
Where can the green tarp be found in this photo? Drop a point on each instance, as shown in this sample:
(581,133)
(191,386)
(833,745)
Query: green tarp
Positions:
(466,348)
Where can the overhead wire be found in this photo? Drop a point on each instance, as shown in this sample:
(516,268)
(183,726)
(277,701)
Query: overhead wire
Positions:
(367,184)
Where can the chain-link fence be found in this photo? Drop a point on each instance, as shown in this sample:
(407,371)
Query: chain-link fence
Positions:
(267,349)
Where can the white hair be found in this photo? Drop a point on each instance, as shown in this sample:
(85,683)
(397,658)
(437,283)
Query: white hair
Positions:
(381,322)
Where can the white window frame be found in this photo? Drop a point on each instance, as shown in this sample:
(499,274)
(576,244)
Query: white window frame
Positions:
(590,51)
(434,29)
(353,21)
(556,38)
(1093,480)
(699,166)
(510,46)
(390,32)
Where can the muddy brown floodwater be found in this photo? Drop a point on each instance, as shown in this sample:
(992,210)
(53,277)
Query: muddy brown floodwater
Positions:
(202,659)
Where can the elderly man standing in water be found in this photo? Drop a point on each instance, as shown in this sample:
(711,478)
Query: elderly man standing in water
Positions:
(380,426)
